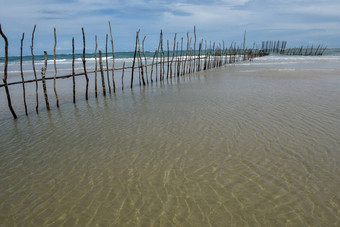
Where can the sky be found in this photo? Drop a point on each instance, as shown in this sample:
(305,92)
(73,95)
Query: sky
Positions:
(300,22)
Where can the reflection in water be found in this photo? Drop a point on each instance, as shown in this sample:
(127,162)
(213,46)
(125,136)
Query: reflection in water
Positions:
(225,147)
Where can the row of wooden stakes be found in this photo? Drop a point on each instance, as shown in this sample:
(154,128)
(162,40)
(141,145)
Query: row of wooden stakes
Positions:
(179,63)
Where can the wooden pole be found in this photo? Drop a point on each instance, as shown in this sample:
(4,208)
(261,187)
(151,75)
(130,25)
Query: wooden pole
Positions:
(73,76)
(194,48)
(141,62)
(113,61)
(123,76)
(55,68)
(102,72)
(134,58)
(84,65)
(5,75)
(95,68)
(43,72)
(107,67)
(167,72)
(173,55)
(22,74)
(146,63)
(35,73)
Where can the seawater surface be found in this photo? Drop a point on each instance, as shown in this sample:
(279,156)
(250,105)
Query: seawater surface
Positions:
(251,144)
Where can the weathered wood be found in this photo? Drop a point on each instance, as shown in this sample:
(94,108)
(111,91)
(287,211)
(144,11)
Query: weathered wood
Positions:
(153,60)
(123,76)
(73,74)
(95,68)
(195,39)
(22,74)
(113,61)
(35,73)
(55,68)
(173,55)
(43,72)
(5,75)
(141,62)
(102,72)
(107,67)
(146,63)
(167,72)
(134,58)
(84,65)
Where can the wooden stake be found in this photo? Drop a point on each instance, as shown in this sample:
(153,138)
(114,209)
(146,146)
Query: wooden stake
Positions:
(55,68)
(146,63)
(123,76)
(107,66)
(35,73)
(102,72)
(43,72)
(5,74)
(95,68)
(84,65)
(113,61)
(134,58)
(73,78)
(22,74)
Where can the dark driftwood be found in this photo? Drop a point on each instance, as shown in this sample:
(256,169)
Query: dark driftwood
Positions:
(113,61)
(95,68)
(141,62)
(35,73)
(5,74)
(22,74)
(107,66)
(43,72)
(102,72)
(84,65)
(134,59)
(73,74)
(55,68)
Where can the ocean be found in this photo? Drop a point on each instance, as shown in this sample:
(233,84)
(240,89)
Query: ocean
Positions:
(249,144)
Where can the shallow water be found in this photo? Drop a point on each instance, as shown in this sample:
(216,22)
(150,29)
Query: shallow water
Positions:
(246,145)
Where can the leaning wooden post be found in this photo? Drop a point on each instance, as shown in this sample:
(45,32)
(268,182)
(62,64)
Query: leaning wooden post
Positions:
(153,61)
(107,66)
(146,63)
(141,62)
(43,72)
(95,68)
(35,73)
(134,58)
(55,68)
(102,72)
(113,61)
(84,65)
(5,74)
(73,74)
(22,74)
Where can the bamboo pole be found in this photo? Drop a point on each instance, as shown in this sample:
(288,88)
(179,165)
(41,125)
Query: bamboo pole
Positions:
(35,73)
(107,66)
(95,68)
(84,65)
(22,74)
(113,61)
(55,68)
(73,74)
(102,72)
(43,72)
(134,59)
(5,74)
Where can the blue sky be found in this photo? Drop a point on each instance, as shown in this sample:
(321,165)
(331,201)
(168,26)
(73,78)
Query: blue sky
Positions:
(300,22)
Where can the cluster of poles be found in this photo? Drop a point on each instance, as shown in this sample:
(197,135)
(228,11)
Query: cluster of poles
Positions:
(165,63)
(280,47)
